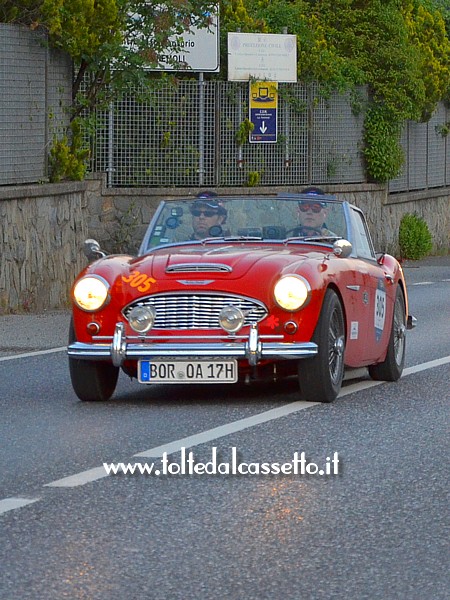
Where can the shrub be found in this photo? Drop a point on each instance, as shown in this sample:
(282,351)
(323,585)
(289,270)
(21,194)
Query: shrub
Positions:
(414,237)
(68,159)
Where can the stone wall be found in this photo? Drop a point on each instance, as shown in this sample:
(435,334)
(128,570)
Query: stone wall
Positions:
(42,229)
(384,212)
(41,233)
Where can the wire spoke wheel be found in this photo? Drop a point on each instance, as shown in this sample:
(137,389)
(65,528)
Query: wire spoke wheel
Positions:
(399,330)
(320,378)
(336,346)
(391,368)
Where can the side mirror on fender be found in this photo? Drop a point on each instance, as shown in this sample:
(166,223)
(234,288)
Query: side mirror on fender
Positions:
(342,248)
(92,250)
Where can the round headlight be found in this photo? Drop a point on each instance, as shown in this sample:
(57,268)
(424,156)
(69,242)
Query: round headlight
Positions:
(291,292)
(141,318)
(231,318)
(91,293)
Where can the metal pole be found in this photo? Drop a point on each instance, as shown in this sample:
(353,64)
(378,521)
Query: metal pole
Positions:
(110,168)
(239,118)
(201,128)
(287,121)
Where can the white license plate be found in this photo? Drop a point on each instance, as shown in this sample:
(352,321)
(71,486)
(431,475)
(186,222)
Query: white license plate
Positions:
(187,371)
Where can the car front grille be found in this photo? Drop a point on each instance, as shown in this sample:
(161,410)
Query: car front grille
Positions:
(197,311)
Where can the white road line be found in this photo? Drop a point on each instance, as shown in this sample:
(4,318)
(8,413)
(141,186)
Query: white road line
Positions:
(36,353)
(223,430)
(422,283)
(229,428)
(12,503)
(79,478)
(428,365)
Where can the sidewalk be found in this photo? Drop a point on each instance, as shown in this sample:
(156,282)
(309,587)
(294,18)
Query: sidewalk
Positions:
(28,332)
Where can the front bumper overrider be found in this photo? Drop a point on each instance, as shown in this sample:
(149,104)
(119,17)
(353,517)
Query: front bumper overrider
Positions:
(252,348)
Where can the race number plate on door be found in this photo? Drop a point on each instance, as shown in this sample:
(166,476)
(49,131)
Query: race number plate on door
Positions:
(187,371)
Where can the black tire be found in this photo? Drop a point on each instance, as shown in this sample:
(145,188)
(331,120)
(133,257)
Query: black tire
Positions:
(92,381)
(391,368)
(320,378)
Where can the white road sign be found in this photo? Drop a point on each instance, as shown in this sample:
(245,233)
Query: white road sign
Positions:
(196,50)
(262,56)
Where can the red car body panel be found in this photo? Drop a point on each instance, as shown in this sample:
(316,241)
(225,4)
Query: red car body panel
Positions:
(318,266)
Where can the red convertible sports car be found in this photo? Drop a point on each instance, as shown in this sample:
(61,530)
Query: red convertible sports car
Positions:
(228,289)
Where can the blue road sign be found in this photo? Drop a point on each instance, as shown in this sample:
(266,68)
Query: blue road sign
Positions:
(263,111)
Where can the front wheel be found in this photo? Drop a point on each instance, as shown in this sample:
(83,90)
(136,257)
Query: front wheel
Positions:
(92,381)
(391,368)
(320,378)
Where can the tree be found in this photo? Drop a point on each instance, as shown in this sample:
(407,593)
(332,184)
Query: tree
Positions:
(112,43)
(398,48)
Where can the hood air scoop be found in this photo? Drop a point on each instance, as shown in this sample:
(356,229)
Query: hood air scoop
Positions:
(199,268)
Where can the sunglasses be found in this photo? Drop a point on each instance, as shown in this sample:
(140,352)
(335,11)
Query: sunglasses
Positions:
(316,207)
(207,213)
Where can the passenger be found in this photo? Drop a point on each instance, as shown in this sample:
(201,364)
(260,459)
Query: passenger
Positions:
(312,213)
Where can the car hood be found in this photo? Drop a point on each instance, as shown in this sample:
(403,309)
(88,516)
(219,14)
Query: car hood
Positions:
(228,260)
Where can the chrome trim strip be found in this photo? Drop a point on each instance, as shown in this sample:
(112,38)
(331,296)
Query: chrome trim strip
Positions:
(268,350)
(355,288)
(194,282)
(199,268)
(231,338)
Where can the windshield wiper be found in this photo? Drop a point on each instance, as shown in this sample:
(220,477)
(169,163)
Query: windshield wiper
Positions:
(236,238)
(316,238)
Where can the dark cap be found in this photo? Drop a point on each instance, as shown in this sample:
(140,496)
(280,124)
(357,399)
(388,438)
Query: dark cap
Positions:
(314,191)
(206,194)
(312,200)
(210,203)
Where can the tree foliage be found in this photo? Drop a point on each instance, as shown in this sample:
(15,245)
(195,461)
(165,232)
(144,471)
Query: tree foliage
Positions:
(113,43)
(399,48)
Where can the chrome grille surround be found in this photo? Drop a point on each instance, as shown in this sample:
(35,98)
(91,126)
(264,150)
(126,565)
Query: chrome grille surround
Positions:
(196,310)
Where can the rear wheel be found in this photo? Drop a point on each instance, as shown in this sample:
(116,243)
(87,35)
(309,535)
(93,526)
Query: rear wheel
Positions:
(92,381)
(391,368)
(320,378)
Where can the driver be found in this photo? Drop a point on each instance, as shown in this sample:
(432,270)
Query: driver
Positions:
(312,212)
(206,212)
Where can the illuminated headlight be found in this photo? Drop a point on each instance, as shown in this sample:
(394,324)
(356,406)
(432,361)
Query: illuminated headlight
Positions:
(291,292)
(231,318)
(141,318)
(91,293)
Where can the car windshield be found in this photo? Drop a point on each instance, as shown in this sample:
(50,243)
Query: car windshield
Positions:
(256,218)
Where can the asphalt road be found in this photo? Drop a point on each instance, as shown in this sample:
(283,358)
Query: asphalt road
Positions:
(377,529)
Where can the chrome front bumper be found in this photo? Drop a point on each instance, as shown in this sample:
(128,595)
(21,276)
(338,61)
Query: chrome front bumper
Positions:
(411,322)
(253,348)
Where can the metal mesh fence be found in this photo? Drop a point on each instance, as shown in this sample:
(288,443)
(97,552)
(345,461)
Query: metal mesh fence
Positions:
(35,86)
(186,136)
(337,130)
(427,154)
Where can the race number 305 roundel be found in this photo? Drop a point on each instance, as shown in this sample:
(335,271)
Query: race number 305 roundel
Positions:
(380,309)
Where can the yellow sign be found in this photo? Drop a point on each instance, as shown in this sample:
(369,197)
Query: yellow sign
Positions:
(263,93)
